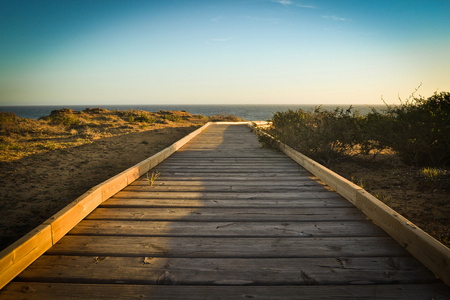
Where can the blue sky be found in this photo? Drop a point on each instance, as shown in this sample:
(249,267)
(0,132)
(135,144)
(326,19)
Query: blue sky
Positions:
(222,52)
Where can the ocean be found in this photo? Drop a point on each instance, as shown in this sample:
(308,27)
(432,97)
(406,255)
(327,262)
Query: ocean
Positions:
(247,112)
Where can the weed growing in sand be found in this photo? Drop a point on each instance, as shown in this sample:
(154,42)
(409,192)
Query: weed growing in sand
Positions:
(386,199)
(50,146)
(8,117)
(359,183)
(432,173)
(14,146)
(151,179)
(362,184)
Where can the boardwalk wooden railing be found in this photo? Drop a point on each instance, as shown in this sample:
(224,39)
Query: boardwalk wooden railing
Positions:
(226,213)
(15,258)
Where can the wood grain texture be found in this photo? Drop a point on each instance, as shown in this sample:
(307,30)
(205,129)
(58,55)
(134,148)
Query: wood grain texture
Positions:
(324,194)
(225,271)
(15,258)
(227,229)
(227,247)
(228,214)
(255,203)
(45,291)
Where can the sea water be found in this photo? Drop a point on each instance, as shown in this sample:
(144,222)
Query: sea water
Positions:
(247,112)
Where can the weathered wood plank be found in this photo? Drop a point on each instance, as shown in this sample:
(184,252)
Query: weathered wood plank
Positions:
(234,175)
(206,154)
(298,203)
(228,229)
(154,270)
(45,291)
(232,167)
(227,247)
(228,214)
(231,160)
(228,172)
(228,196)
(309,187)
(274,183)
(247,164)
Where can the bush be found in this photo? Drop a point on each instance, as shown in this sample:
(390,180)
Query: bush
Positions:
(63,117)
(8,117)
(145,119)
(417,130)
(172,118)
(225,118)
(65,120)
(322,135)
(420,130)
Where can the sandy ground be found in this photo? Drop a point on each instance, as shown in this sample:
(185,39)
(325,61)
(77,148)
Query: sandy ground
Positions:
(423,201)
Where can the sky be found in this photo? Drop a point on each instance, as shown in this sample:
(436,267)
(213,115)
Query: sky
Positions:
(222,52)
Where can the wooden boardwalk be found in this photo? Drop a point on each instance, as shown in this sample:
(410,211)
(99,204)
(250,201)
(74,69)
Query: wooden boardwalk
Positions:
(226,220)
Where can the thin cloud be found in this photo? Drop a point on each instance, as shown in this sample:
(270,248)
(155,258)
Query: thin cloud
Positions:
(289,2)
(221,40)
(284,2)
(306,6)
(216,19)
(335,18)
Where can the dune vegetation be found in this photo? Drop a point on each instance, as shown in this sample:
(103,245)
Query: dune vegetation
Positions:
(401,154)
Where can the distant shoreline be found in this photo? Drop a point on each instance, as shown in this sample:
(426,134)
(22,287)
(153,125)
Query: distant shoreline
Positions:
(247,112)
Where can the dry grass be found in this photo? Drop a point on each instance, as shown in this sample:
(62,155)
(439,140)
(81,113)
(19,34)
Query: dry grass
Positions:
(67,128)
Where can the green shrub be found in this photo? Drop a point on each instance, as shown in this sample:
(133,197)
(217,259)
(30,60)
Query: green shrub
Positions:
(420,130)
(145,119)
(267,141)
(322,135)
(14,146)
(172,118)
(68,120)
(142,118)
(225,118)
(8,117)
